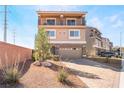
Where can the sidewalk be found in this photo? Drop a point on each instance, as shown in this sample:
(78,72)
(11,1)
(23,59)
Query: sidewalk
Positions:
(121,85)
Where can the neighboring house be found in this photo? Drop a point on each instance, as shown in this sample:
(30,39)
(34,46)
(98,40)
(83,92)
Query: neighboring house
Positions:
(106,44)
(94,41)
(111,45)
(68,33)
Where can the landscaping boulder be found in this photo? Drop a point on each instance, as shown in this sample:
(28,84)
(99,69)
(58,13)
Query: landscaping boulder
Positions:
(37,63)
(46,64)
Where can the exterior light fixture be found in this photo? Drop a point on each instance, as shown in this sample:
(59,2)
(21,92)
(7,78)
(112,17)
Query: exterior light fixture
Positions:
(61,16)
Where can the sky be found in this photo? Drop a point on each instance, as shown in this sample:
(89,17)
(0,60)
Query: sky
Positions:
(23,21)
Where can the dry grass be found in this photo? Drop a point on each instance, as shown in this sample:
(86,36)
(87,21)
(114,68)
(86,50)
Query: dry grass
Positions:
(62,76)
(10,71)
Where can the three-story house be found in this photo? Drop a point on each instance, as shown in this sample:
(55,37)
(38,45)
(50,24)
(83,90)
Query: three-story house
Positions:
(66,31)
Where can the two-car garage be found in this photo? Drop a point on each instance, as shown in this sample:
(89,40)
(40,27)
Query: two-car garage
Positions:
(72,53)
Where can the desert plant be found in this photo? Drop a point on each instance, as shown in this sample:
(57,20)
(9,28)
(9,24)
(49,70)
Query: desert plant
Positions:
(33,55)
(11,72)
(42,46)
(11,75)
(56,58)
(49,56)
(36,55)
(62,76)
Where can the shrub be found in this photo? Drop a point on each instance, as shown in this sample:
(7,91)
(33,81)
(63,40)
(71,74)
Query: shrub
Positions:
(49,56)
(11,72)
(56,58)
(42,45)
(36,56)
(119,56)
(33,55)
(62,76)
(11,75)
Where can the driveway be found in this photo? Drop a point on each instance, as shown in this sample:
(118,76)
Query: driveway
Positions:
(94,74)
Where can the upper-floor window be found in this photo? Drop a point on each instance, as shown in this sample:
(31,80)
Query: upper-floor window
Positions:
(74,34)
(71,21)
(50,21)
(51,34)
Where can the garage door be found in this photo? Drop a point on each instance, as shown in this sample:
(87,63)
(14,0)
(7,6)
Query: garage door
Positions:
(72,53)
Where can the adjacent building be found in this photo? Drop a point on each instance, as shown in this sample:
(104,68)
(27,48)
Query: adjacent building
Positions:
(94,41)
(69,35)
(106,44)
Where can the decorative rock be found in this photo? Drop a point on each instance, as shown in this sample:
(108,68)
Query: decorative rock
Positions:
(46,64)
(37,63)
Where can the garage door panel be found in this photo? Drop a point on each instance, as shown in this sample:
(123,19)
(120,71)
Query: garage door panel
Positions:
(70,53)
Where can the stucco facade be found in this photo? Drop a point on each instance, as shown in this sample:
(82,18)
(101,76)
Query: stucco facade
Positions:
(93,39)
(69,34)
(63,43)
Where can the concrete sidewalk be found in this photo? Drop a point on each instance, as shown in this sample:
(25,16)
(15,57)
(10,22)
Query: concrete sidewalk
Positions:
(121,85)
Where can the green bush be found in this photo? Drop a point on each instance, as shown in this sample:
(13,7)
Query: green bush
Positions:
(49,56)
(56,58)
(119,56)
(62,76)
(33,55)
(36,56)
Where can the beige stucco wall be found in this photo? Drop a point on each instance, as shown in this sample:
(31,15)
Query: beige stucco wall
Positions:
(62,34)
(90,50)
(106,44)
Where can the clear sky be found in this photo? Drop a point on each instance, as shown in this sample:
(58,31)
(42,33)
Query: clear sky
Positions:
(23,20)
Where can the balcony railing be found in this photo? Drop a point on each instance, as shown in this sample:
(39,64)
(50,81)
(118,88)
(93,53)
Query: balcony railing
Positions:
(62,24)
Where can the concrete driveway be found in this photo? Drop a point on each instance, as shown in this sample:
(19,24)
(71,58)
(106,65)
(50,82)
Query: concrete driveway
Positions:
(94,74)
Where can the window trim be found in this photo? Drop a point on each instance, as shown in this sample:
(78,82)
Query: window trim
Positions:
(51,18)
(70,37)
(52,37)
(71,19)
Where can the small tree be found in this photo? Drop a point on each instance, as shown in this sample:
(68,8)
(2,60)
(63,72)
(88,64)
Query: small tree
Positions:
(42,46)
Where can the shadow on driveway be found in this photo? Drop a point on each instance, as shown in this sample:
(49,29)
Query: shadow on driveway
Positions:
(75,72)
(88,62)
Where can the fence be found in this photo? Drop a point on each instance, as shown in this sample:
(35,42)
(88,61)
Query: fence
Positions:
(10,53)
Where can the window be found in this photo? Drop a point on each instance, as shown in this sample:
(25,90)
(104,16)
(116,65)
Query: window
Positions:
(71,21)
(51,34)
(74,34)
(50,21)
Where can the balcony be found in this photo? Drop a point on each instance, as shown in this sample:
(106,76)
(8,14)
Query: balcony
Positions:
(62,21)
(62,26)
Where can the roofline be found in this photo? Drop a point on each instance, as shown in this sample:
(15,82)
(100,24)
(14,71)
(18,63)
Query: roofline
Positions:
(94,28)
(106,38)
(77,12)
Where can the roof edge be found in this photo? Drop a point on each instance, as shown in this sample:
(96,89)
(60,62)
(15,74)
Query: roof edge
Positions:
(78,12)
